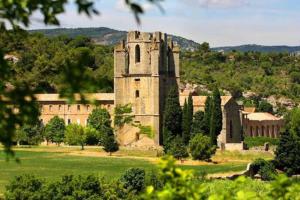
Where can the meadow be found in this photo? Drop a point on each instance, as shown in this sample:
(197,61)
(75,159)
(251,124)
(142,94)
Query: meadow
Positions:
(51,163)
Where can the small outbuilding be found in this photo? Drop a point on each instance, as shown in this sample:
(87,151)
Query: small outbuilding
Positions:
(262,124)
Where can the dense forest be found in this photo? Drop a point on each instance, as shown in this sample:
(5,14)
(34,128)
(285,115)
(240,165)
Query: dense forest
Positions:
(42,59)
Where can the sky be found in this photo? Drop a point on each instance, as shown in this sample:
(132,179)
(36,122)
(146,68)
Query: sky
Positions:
(219,22)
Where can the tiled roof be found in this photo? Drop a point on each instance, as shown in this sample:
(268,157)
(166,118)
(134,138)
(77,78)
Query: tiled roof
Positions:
(261,116)
(200,100)
(91,96)
(249,109)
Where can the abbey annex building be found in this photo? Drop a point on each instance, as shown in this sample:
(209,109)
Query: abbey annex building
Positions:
(145,67)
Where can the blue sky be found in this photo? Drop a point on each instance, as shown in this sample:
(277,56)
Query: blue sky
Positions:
(219,22)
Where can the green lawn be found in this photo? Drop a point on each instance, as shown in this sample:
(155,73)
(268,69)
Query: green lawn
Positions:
(52,165)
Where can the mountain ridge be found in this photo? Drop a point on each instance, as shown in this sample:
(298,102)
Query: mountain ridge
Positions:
(109,36)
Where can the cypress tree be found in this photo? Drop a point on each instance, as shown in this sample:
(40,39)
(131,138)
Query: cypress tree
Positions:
(190,110)
(185,123)
(198,125)
(207,115)
(216,116)
(218,110)
(172,122)
(187,119)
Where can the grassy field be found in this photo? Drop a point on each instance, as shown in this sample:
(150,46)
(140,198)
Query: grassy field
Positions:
(53,162)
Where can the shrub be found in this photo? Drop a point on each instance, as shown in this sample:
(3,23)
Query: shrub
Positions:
(178,149)
(201,147)
(287,154)
(134,179)
(110,145)
(153,179)
(70,187)
(260,141)
(264,168)
(24,187)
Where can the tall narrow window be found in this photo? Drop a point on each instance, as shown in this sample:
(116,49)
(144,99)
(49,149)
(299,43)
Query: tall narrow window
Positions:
(230,129)
(137,54)
(69,121)
(59,107)
(50,108)
(137,94)
(78,107)
(69,107)
(87,107)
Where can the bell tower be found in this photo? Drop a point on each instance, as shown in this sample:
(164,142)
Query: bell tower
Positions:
(145,66)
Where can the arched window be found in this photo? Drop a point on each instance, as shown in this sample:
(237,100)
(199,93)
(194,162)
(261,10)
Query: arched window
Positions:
(137,54)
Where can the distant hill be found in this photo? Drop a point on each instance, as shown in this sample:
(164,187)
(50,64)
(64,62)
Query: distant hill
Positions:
(259,48)
(107,36)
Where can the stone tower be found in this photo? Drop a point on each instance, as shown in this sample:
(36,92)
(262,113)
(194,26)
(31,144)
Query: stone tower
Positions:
(144,69)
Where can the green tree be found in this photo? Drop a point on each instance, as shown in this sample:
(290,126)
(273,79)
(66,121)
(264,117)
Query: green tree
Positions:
(216,116)
(172,117)
(198,125)
(31,134)
(55,130)
(178,149)
(93,136)
(201,147)
(185,122)
(100,120)
(207,114)
(187,119)
(264,106)
(75,135)
(110,144)
(287,154)
(123,115)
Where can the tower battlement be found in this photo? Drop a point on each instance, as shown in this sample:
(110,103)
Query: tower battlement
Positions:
(136,37)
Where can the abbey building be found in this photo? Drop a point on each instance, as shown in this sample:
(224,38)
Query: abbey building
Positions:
(145,67)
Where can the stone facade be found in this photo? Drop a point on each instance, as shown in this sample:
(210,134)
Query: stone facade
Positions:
(145,67)
(262,124)
(51,105)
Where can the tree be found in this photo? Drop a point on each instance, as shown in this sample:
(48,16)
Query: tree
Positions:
(75,135)
(178,149)
(123,115)
(30,134)
(172,120)
(134,179)
(198,125)
(100,120)
(264,106)
(207,114)
(201,147)
(55,130)
(187,119)
(110,145)
(93,136)
(185,122)
(287,154)
(216,116)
